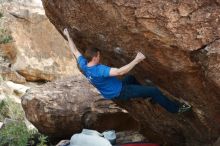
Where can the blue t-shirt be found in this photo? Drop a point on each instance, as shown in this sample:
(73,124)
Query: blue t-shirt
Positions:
(99,76)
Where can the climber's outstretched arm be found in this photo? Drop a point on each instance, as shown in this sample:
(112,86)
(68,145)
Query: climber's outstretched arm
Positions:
(125,69)
(72,46)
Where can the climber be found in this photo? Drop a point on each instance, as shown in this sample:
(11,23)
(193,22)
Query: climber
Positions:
(104,79)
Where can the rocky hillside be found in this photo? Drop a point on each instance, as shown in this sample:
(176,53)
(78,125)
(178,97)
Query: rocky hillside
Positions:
(33,50)
(181,42)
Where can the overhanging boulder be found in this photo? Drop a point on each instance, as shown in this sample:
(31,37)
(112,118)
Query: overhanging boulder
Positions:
(181,42)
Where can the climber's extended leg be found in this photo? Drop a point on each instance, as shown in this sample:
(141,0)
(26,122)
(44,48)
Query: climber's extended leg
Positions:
(137,91)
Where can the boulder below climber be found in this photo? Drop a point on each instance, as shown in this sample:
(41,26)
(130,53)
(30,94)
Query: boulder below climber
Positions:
(61,108)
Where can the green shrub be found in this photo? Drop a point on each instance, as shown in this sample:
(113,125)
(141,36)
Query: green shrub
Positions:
(14,134)
(43,140)
(5,39)
(17,134)
(5,36)
(3,110)
(38,139)
(11,109)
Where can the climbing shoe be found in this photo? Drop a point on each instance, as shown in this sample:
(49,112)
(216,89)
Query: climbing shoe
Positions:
(184,108)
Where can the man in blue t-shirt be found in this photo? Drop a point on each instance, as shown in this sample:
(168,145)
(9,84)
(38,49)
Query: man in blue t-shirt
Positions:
(104,79)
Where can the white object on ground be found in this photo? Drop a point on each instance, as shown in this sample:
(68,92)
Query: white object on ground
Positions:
(110,135)
(88,138)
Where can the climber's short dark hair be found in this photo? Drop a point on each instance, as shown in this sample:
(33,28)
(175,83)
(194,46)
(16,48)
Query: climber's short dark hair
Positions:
(91,52)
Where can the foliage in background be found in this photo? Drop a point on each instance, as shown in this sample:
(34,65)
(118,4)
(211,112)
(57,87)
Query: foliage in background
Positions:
(14,134)
(11,109)
(42,140)
(5,36)
(17,134)
(3,110)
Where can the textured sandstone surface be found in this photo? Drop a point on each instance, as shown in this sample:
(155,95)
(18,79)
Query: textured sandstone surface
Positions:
(181,42)
(40,52)
(44,55)
(7,58)
(60,108)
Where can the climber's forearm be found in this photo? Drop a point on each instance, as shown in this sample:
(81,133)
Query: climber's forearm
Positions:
(123,70)
(73,48)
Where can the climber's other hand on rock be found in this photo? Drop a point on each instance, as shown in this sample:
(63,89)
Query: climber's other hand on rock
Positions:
(140,57)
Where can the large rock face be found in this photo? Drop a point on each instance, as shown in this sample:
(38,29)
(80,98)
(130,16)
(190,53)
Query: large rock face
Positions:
(181,42)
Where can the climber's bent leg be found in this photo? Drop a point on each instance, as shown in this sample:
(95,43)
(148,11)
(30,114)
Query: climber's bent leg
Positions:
(137,91)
